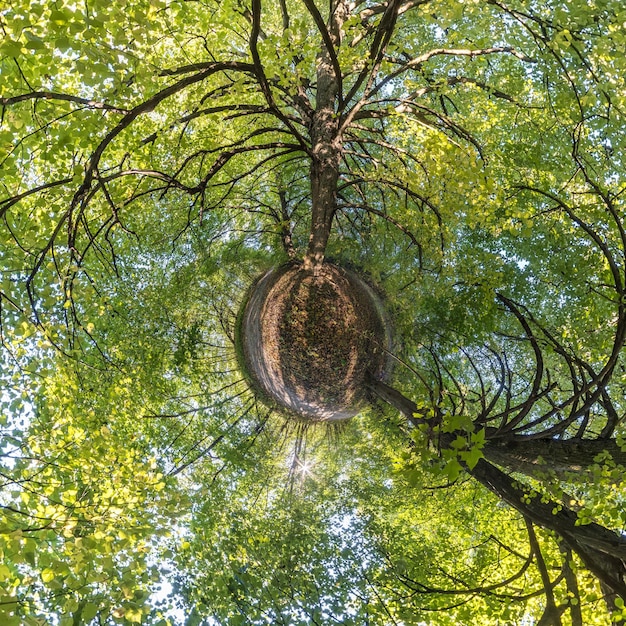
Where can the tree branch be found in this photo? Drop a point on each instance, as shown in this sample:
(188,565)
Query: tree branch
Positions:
(459,52)
(51,95)
(551,515)
(328,45)
(259,72)
(551,615)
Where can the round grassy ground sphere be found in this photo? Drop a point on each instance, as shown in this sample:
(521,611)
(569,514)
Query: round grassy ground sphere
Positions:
(310,341)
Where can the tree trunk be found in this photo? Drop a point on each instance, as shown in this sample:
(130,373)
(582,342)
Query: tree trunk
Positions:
(602,551)
(393,397)
(327,147)
(539,458)
(324,177)
(399,401)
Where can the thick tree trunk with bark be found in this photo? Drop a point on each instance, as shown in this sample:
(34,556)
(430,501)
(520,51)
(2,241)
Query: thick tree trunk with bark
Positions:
(549,514)
(396,399)
(324,176)
(327,147)
(602,550)
(559,457)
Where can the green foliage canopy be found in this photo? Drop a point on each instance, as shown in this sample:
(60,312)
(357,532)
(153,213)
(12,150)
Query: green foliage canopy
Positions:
(154,159)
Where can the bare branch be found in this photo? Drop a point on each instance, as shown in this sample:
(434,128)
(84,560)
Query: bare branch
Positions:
(7,203)
(382,36)
(615,270)
(146,107)
(51,95)
(329,46)
(552,614)
(236,66)
(384,216)
(572,586)
(259,72)
(587,540)
(532,396)
(457,52)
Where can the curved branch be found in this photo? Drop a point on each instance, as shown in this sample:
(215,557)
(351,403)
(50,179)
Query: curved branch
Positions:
(384,216)
(486,589)
(402,187)
(552,613)
(383,35)
(328,45)
(457,52)
(52,95)
(259,72)
(615,270)
(7,203)
(532,396)
(205,65)
(551,515)
(146,107)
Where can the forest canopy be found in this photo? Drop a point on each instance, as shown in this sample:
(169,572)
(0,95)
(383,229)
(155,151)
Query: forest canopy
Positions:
(441,181)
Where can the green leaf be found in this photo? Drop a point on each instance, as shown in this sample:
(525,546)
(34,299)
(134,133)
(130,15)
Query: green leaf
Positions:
(11,48)
(133,615)
(452,470)
(47,575)
(472,457)
(151,172)
(90,610)
(5,572)
(59,17)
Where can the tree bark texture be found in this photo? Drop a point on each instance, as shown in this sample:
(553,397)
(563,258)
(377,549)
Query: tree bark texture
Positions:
(602,550)
(559,457)
(326,144)
(399,401)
